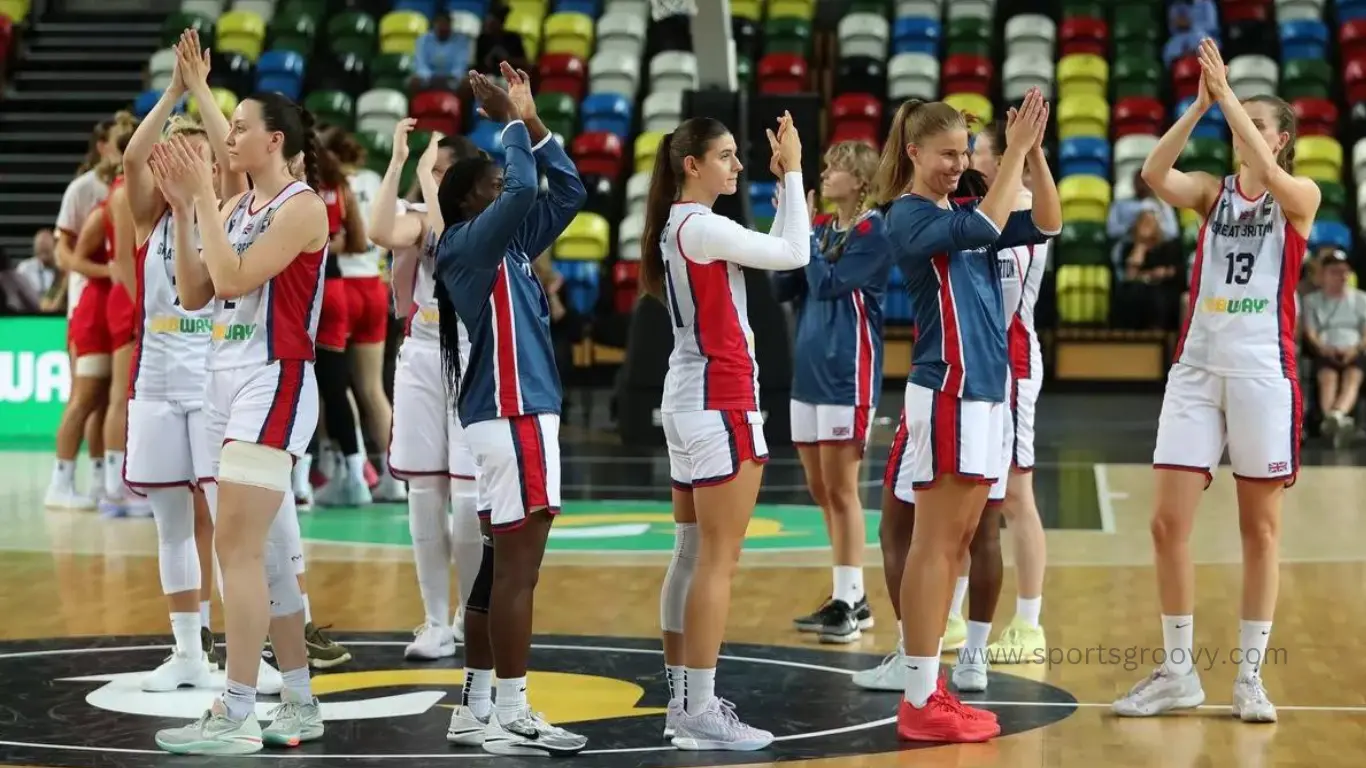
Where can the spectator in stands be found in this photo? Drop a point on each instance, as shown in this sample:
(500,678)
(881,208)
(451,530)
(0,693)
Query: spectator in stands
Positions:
(442,57)
(1124,213)
(1150,271)
(1334,330)
(40,270)
(17,296)
(496,44)
(1189,23)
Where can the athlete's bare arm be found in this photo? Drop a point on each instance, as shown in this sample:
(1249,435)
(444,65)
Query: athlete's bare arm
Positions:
(144,199)
(193,62)
(121,262)
(389,229)
(91,240)
(1195,190)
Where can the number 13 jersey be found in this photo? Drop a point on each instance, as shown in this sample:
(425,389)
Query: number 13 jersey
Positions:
(1242,304)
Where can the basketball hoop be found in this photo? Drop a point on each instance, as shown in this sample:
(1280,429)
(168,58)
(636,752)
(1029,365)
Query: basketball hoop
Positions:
(663,9)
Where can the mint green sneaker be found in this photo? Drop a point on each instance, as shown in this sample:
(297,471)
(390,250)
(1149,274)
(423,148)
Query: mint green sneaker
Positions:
(293,723)
(214,733)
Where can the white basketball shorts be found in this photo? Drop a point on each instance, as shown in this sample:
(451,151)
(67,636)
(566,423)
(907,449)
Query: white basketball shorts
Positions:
(1024,400)
(167,445)
(941,434)
(815,424)
(518,467)
(708,447)
(427,436)
(275,405)
(1258,418)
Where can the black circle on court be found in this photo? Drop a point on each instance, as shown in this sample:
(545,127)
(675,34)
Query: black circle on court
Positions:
(805,697)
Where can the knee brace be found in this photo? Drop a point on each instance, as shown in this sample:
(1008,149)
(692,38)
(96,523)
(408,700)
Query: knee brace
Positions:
(673,597)
(94,366)
(464,513)
(483,583)
(281,581)
(427,508)
(257,465)
(177,556)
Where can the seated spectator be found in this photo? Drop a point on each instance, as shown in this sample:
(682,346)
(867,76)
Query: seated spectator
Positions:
(40,270)
(17,296)
(1124,213)
(442,57)
(1203,15)
(496,44)
(1150,277)
(1334,329)
(1185,33)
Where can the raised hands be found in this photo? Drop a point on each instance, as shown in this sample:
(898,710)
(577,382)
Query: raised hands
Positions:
(427,162)
(180,172)
(192,62)
(786,145)
(401,130)
(1025,126)
(1213,74)
(519,91)
(502,106)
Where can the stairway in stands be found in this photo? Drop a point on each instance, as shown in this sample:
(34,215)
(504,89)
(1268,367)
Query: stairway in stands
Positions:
(74,71)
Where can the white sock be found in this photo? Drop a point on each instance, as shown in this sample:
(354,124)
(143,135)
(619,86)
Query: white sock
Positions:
(1027,610)
(922,673)
(960,593)
(1178,639)
(96,475)
(675,674)
(699,688)
(355,466)
(467,543)
(239,700)
(185,627)
(511,700)
(308,611)
(298,685)
(64,474)
(204,611)
(975,650)
(848,583)
(430,532)
(1252,639)
(478,691)
(113,474)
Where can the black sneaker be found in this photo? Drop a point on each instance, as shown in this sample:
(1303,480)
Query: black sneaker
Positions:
(210,649)
(864,613)
(841,623)
(812,622)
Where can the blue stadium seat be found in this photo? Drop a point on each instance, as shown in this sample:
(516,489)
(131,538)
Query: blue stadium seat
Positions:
(1211,126)
(609,112)
(1333,233)
(1086,156)
(1304,39)
(761,202)
(588,8)
(581,284)
(477,7)
(1350,10)
(488,136)
(145,102)
(916,34)
(281,71)
(427,8)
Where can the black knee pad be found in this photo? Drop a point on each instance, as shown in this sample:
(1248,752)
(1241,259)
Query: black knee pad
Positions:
(483,583)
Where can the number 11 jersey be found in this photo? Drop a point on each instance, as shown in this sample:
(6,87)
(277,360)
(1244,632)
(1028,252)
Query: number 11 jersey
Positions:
(1242,301)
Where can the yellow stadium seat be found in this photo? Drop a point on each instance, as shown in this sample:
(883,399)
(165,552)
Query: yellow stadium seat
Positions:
(224,98)
(747,9)
(647,146)
(1190,218)
(587,238)
(16,10)
(791,9)
(1083,115)
(974,104)
(1083,293)
(1082,73)
(399,31)
(535,9)
(570,33)
(1084,198)
(241,32)
(1319,158)
(529,27)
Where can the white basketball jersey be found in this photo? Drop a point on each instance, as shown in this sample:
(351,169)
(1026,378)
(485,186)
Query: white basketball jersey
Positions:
(1247,265)
(365,186)
(1022,269)
(172,342)
(279,320)
(712,365)
(424,318)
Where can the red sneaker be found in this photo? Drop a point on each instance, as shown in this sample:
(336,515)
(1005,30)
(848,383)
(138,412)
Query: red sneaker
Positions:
(943,719)
(943,687)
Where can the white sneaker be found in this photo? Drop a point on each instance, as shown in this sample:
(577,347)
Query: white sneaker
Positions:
(718,728)
(1161,692)
(530,734)
(214,733)
(268,679)
(890,675)
(466,729)
(969,677)
(293,723)
(59,497)
(431,642)
(671,718)
(390,489)
(1250,702)
(344,490)
(179,671)
(458,625)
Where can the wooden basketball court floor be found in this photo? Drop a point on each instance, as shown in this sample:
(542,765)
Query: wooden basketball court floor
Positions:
(81,613)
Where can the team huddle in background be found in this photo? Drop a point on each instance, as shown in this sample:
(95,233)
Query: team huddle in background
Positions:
(232,263)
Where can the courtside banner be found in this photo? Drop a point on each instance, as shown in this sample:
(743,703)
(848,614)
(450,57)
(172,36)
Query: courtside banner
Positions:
(35,377)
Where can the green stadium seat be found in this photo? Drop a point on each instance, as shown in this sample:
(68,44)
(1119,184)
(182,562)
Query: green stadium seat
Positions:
(1306,79)
(294,30)
(353,32)
(1136,76)
(1213,156)
(178,22)
(744,72)
(392,70)
(315,8)
(1135,24)
(1334,201)
(878,7)
(1083,9)
(788,35)
(968,37)
(379,147)
(559,113)
(333,108)
(1083,242)
(1147,50)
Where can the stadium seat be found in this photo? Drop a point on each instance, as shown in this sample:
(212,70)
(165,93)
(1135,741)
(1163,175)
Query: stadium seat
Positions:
(1082,74)
(241,31)
(281,71)
(913,76)
(860,74)
(761,203)
(1185,77)
(1248,38)
(528,27)
(379,110)
(609,112)
(161,69)
(263,8)
(559,112)
(352,32)
(476,7)
(1084,198)
(399,31)
(926,9)
(1083,242)
(915,34)
(646,147)
(488,136)
(791,9)
(428,8)
(1129,155)
(1352,39)
(1359,160)
(626,276)
(1084,115)
(581,283)
(1083,294)
(1253,75)
(628,236)
(587,238)
(293,30)
(1240,12)
(1347,10)
(1136,76)
(1084,156)
(225,100)
(970,36)
(752,10)
(970,9)
(172,27)
(1212,156)
(1084,35)
(332,108)
(974,104)
(788,35)
(1304,39)
(211,9)
(1023,71)
(611,72)
(1305,78)
(563,73)
(1316,117)
(621,32)
(673,70)
(1333,233)
(392,70)
(1354,80)
(233,71)
(1137,26)
(570,33)
(1212,124)
(860,132)
(856,109)
(1319,158)
(662,111)
(637,190)
(598,153)
(466,24)
(1334,201)
(964,73)
(1137,115)
(782,73)
(1031,34)
(437,111)
(864,34)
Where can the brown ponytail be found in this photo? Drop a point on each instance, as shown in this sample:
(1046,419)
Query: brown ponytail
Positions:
(915,121)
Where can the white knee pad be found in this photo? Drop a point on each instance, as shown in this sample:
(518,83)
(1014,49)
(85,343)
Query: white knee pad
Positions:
(281,580)
(94,366)
(177,556)
(287,525)
(465,513)
(258,465)
(673,597)
(427,507)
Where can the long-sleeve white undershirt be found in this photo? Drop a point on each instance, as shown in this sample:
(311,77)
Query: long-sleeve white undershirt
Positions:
(716,238)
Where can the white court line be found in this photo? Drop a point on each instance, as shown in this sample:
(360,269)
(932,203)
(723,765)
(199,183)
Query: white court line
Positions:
(1104,499)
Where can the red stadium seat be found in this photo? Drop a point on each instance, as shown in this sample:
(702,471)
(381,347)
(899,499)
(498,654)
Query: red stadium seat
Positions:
(966,74)
(1138,114)
(6,39)
(856,109)
(1317,117)
(782,73)
(598,153)
(436,111)
(625,286)
(1235,11)
(1186,77)
(1354,79)
(1083,34)
(861,132)
(1352,39)
(563,73)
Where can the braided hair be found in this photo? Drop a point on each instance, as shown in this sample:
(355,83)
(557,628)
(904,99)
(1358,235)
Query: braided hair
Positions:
(280,113)
(456,186)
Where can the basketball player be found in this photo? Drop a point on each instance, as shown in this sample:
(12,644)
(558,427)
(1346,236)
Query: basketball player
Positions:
(428,449)
(955,397)
(837,372)
(509,389)
(121,314)
(1234,381)
(263,271)
(691,262)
